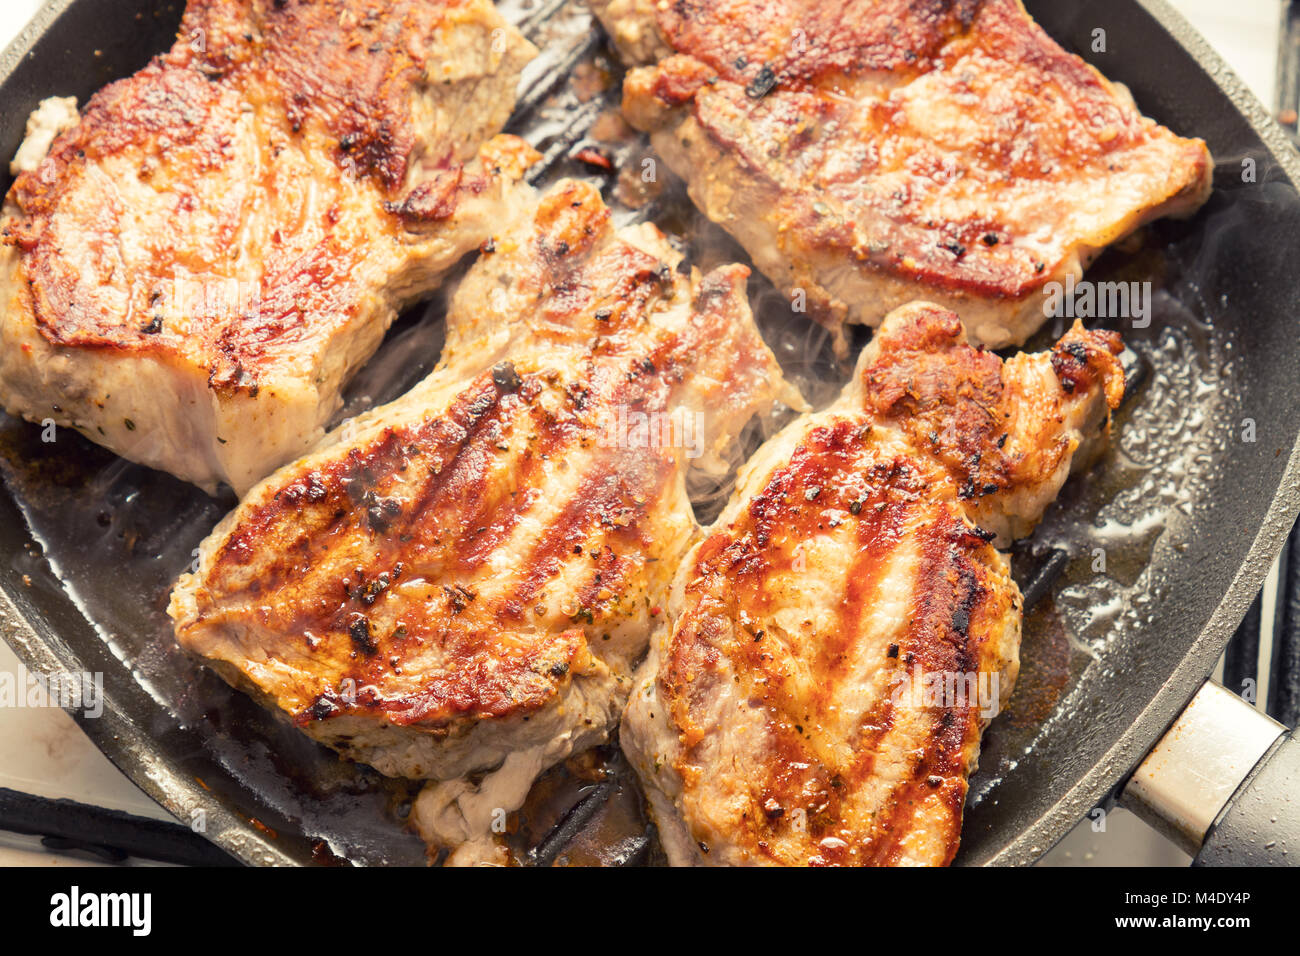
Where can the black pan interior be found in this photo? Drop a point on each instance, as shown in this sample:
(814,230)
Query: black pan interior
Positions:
(1185,511)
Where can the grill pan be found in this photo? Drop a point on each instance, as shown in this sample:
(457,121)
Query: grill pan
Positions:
(1186,513)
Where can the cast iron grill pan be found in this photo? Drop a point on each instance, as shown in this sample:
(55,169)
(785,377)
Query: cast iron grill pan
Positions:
(1186,514)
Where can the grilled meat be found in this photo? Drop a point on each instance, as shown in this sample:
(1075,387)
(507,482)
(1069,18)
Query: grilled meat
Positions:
(836,643)
(457,585)
(867,153)
(200,263)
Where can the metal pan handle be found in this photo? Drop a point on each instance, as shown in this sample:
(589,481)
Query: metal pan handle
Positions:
(1223,783)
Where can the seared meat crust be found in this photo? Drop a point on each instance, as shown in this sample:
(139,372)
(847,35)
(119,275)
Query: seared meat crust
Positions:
(988,423)
(839,639)
(872,152)
(199,264)
(461,581)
